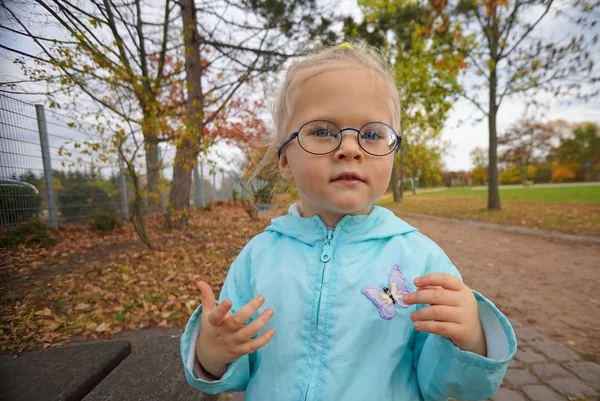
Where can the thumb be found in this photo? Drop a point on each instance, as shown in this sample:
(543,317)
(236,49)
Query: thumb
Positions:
(208,297)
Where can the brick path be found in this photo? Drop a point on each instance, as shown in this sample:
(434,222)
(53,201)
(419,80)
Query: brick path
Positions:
(545,370)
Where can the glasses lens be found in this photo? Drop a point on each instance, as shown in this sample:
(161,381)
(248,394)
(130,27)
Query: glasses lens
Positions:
(378,138)
(319,137)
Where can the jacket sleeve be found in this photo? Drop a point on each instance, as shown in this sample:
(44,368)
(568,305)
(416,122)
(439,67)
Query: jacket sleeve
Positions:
(238,373)
(445,371)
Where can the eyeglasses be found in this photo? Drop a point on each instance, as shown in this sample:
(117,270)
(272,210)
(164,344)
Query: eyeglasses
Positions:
(320,137)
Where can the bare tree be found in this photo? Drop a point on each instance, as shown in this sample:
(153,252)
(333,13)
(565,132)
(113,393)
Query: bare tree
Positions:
(510,56)
(220,62)
(525,142)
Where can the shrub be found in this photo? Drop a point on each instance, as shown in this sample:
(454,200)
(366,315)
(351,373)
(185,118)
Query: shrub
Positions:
(264,195)
(84,201)
(18,204)
(30,232)
(105,222)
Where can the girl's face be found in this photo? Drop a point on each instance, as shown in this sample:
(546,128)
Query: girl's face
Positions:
(349,96)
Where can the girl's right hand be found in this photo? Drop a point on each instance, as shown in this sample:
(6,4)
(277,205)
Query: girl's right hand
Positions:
(224,337)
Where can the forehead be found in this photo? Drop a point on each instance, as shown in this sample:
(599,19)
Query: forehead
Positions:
(349,95)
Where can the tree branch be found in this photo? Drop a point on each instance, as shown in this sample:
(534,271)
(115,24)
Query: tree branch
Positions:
(501,56)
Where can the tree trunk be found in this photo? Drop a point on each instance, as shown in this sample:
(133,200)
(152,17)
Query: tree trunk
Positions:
(493,187)
(153,171)
(137,214)
(251,210)
(395,189)
(188,146)
(523,168)
(586,175)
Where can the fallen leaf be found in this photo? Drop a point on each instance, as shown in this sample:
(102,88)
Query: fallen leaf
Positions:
(102,328)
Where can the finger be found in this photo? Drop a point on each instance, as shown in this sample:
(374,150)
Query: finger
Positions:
(430,287)
(447,281)
(257,343)
(440,313)
(238,319)
(433,297)
(246,333)
(208,297)
(444,329)
(219,314)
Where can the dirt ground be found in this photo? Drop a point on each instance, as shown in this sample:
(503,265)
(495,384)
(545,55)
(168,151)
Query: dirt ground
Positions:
(546,284)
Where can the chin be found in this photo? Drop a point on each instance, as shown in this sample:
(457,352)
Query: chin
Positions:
(350,208)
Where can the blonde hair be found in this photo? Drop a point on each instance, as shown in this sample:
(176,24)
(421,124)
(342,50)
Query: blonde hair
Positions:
(316,61)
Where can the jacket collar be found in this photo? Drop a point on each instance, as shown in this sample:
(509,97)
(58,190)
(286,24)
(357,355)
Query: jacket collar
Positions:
(378,224)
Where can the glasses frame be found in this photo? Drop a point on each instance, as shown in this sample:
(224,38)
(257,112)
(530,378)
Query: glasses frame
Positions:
(295,135)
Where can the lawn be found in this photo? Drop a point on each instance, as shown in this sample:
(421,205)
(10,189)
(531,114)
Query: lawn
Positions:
(568,209)
(567,194)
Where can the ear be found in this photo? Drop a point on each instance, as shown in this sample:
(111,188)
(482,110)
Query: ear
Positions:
(285,169)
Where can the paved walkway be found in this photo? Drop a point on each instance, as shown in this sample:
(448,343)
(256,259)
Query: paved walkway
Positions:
(545,370)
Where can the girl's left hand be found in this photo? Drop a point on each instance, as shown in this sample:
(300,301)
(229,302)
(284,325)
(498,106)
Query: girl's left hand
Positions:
(453,312)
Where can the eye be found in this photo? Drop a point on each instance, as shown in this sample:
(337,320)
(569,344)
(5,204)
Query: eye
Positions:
(321,132)
(371,135)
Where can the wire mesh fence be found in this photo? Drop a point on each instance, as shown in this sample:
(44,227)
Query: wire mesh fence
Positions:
(46,172)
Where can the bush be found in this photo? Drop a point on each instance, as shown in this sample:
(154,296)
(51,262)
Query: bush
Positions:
(105,222)
(18,203)
(84,201)
(543,173)
(30,232)
(264,195)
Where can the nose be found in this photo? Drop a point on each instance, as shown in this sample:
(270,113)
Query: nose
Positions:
(349,148)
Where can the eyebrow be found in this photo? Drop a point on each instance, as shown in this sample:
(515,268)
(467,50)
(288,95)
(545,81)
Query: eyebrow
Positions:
(337,121)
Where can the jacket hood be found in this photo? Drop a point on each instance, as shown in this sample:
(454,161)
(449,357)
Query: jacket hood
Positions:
(380,223)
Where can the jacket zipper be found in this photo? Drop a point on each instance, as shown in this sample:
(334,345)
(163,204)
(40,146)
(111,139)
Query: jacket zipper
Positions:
(325,258)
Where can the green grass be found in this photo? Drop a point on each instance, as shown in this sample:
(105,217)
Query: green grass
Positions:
(567,209)
(583,194)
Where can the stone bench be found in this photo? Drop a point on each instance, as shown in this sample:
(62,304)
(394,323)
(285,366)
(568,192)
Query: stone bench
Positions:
(107,371)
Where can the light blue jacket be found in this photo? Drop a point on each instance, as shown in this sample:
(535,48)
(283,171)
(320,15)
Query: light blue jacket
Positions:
(330,341)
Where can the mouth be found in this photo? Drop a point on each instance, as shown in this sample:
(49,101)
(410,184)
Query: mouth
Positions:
(348,177)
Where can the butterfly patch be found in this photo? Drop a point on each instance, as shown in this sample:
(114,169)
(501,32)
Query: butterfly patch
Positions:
(386,298)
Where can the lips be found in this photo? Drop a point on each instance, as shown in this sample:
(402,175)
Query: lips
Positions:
(348,176)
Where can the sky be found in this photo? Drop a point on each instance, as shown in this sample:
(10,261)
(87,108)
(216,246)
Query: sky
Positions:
(467,135)
(463,136)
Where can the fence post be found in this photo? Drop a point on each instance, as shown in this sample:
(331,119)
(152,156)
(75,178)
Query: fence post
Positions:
(199,186)
(43,131)
(216,194)
(123,190)
(224,192)
(202,187)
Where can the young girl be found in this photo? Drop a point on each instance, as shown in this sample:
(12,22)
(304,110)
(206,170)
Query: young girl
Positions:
(340,299)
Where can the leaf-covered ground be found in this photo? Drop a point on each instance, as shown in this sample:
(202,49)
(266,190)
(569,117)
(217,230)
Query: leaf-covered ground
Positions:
(94,285)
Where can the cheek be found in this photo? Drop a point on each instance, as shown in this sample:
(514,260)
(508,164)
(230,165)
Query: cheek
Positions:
(307,173)
(382,172)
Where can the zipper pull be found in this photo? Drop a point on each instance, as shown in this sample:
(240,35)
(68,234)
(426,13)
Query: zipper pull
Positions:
(329,237)
(327,249)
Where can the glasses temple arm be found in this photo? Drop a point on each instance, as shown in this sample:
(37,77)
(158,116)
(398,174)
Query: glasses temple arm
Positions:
(293,136)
